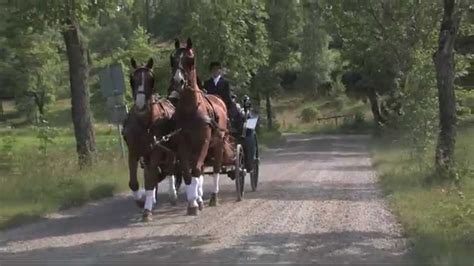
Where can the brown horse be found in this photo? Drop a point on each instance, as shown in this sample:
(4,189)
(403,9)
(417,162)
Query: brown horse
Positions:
(147,119)
(204,128)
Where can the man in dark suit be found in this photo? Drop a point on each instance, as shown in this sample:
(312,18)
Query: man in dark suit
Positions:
(217,85)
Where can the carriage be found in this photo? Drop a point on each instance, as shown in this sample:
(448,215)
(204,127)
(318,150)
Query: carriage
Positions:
(246,160)
(245,145)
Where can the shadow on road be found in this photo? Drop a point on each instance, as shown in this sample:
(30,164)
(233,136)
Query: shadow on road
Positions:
(334,247)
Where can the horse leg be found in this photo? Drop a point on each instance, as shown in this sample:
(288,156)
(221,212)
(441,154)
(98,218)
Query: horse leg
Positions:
(197,170)
(151,181)
(133,181)
(173,196)
(218,156)
(200,193)
(191,183)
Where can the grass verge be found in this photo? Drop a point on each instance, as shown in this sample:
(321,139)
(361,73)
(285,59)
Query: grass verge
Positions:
(438,218)
(33,183)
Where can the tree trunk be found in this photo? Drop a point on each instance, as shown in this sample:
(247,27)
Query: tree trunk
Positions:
(269,111)
(2,118)
(40,104)
(375,107)
(78,76)
(147,17)
(444,63)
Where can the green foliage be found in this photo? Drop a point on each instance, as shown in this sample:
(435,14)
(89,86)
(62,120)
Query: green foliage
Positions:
(235,35)
(316,59)
(138,47)
(463,110)
(46,136)
(340,101)
(284,31)
(356,123)
(466,100)
(419,122)
(437,219)
(7,154)
(359,118)
(47,182)
(381,43)
(57,12)
(337,87)
(308,114)
(34,68)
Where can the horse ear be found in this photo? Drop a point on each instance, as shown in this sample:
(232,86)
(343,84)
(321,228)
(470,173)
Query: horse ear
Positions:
(189,44)
(133,62)
(176,44)
(149,64)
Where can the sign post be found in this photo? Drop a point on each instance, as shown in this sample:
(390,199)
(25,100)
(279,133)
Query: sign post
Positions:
(112,86)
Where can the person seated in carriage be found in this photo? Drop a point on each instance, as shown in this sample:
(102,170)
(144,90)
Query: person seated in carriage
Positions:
(219,86)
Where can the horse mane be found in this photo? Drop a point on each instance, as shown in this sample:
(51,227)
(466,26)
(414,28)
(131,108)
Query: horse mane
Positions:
(199,84)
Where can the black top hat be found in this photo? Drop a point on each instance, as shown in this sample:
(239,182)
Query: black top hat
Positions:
(214,64)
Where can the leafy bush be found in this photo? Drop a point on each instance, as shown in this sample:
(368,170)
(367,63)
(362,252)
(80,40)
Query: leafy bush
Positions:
(46,136)
(308,114)
(355,123)
(419,123)
(7,152)
(463,110)
(340,101)
(359,118)
(469,102)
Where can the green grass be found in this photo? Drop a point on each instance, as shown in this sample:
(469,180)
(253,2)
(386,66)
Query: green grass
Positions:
(268,139)
(33,184)
(438,218)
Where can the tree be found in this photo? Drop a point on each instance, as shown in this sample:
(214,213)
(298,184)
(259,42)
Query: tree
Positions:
(284,30)
(316,60)
(66,16)
(235,35)
(445,69)
(382,42)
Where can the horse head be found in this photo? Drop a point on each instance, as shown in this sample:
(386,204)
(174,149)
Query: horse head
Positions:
(142,82)
(182,62)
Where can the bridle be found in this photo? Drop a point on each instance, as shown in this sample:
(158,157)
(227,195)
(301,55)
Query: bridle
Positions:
(148,71)
(179,67)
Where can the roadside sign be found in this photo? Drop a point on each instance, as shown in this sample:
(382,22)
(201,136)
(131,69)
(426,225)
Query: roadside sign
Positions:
(112,86)
(112,80)
(118,113)
(112,101)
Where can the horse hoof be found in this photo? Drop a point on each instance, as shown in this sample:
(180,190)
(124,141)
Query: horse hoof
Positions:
(200,205)
(147,216)
(174,202)
(193,211)
(213,200)
(140,203)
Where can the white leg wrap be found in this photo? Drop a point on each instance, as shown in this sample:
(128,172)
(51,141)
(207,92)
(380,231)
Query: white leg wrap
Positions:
(192,191)
(216,183)
(154,196)
(200,190)
(150,195)
(139,194)
(172,189)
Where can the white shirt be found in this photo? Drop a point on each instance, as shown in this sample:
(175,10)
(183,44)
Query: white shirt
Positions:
(216,80)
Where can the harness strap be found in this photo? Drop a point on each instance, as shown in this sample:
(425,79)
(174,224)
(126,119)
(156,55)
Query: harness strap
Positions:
(212,114)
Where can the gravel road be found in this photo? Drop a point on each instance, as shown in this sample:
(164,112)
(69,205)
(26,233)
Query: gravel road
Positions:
(317,202)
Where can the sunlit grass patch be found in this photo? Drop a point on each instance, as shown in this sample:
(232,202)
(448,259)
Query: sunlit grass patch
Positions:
(438,218)
(39,184)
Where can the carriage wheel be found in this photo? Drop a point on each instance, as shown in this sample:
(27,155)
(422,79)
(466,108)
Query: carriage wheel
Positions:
(238,173)
(255,169)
